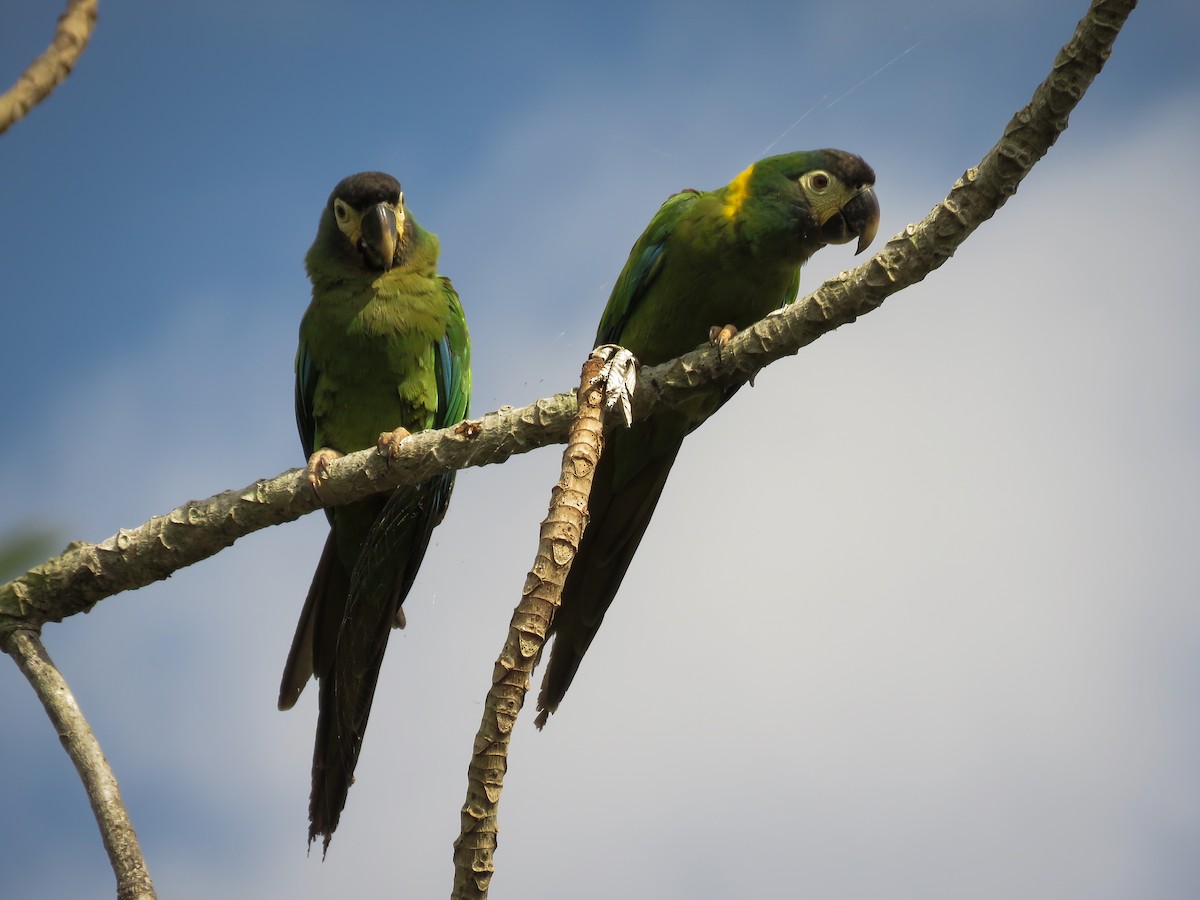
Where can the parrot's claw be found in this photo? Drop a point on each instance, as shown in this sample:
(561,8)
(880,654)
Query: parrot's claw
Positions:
(388,445)
(619,377)
(318,468)
(719,335)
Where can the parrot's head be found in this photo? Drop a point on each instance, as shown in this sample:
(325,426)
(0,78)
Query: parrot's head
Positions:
(366,215)
(819,196)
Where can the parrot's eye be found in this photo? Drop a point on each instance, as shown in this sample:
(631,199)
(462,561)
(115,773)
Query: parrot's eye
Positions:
(339,210)
(818,181)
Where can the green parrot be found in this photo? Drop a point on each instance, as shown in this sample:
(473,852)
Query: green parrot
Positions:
(708,264)
(383,352)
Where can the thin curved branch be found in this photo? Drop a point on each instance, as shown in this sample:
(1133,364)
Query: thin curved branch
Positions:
(86,573)
(558,543)
(120,840)
(50,69)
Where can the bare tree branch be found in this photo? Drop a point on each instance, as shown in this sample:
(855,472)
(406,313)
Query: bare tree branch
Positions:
(50,69)
(558,543)
(87,573)
(120,840)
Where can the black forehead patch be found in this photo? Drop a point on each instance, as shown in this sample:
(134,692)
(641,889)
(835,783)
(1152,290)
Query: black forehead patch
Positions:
(367,188)
(850,168)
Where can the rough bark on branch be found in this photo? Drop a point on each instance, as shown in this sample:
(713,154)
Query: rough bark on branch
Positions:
(116,831)
(557,545)
(50,69)
(86,573)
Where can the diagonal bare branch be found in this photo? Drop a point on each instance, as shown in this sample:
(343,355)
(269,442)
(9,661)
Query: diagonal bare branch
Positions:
(557,545)
(86,573)
(50,69)
(120,840)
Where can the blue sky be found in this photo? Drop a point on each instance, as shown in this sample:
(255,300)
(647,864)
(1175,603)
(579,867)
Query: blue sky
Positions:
(940,638)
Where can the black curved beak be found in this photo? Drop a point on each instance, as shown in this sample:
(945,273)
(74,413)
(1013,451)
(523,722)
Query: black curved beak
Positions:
(862,216)
(858,218)
(379,235)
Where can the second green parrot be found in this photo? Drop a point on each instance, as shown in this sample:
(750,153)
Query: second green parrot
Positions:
(709,263)
(383,352)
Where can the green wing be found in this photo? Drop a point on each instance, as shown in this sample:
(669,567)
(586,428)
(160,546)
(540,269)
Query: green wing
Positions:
(645,262)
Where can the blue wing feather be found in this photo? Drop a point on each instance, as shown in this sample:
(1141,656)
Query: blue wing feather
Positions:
(452,363)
